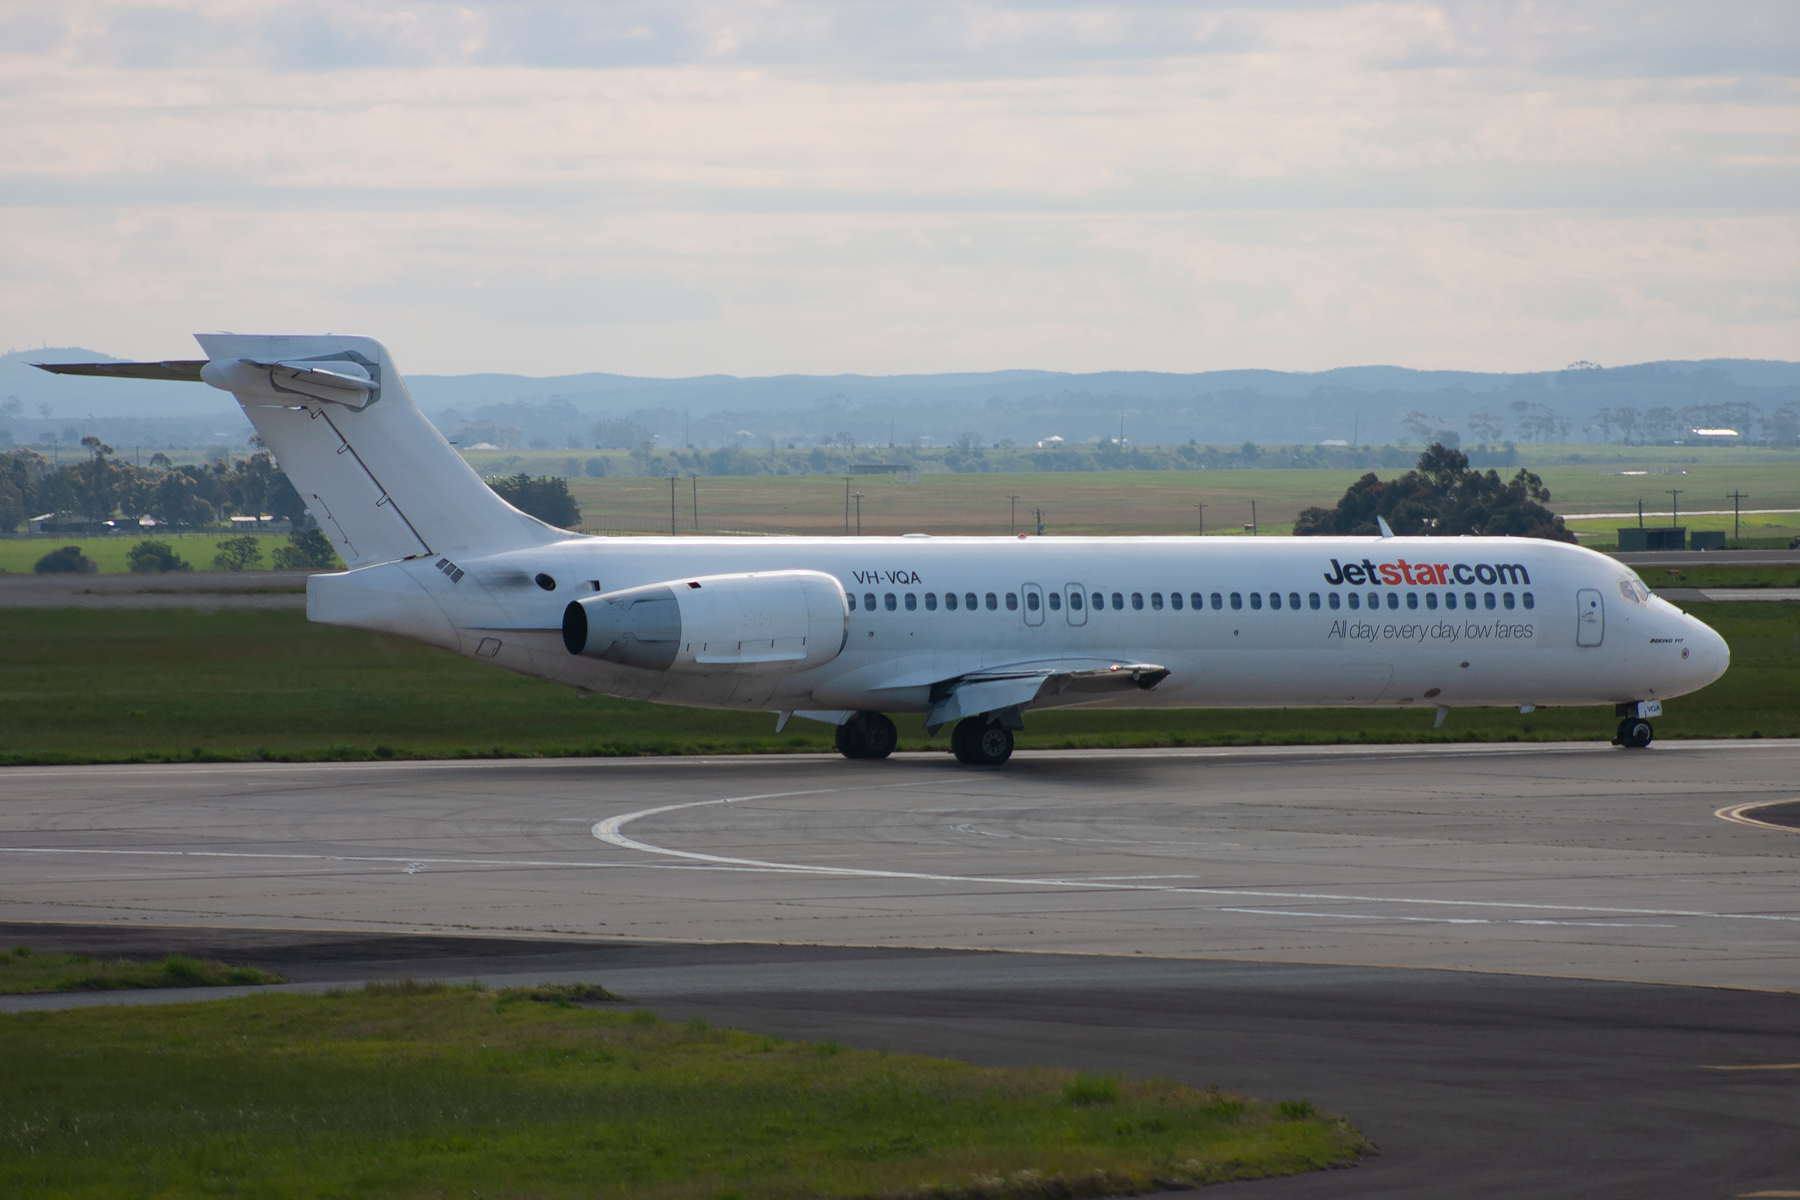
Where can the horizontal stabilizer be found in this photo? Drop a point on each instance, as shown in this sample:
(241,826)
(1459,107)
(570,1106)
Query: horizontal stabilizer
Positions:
(176,371)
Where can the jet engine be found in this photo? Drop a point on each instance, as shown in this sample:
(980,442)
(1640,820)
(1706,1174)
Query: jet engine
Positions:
(762,622)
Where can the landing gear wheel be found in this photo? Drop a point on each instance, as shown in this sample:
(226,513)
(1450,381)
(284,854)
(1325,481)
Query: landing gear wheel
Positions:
(980,743)
(1634,733)
(867,735)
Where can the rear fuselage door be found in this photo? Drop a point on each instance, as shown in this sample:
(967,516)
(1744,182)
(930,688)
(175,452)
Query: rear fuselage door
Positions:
(1034,604)
(1590,618)
(1075,603)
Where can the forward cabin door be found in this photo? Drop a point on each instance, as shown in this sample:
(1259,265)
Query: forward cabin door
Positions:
(1590,617)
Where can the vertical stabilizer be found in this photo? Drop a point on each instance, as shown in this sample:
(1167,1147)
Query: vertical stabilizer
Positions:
(380,479)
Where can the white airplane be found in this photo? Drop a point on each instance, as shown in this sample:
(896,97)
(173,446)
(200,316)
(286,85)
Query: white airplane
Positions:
(971,631)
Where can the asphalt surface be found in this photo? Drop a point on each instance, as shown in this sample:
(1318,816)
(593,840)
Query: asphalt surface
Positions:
(1470,951)
(1471,1085)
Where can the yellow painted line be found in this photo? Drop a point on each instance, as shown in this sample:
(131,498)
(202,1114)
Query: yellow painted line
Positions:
(1739,814)
(1757,1067)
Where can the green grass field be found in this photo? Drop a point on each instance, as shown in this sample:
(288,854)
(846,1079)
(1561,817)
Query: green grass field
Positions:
(22,971)
(423,1091)
(19,555)
(146,685)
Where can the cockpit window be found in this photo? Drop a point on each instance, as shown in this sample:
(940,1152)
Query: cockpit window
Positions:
(1634,591)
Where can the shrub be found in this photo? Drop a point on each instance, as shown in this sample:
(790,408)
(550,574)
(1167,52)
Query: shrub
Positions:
(545,497)
(238,554)
(1087,1089)
(67,561)
(153,557)
(307,550)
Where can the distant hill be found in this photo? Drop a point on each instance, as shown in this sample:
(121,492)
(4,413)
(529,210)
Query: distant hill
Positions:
(1366,404)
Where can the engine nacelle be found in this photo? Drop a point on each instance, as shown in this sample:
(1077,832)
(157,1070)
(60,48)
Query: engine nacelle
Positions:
(762,622)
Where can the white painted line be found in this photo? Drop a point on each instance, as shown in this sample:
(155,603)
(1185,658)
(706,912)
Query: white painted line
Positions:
(1739,814)
(611,831)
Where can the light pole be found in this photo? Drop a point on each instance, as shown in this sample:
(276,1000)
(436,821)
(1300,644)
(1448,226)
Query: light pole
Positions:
(846,506)
(1039,513)
(1253,518)
(1202,508)
(1674,506)
(672,480)
(859,514)
(1015,513)
(1737,498)
(695,477)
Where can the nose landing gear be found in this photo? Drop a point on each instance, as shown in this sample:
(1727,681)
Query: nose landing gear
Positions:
(1634,733)
(867,735)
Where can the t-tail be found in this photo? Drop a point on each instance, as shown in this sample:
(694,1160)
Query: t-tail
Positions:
(377,476)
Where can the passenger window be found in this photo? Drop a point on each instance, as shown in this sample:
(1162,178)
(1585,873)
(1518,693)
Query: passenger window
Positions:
(1099,601)
(1031,601)
(912,602)
(1156,601)
(851,597)
(1374,599)
(1487,598)
(1195,600)
(1294,601)
(1431,600)
(1334,601)
(1175,601)
(889,601)
(1529,602)
(1217,602)
(1449,599)
(1012,602)
(1055,601)
(1237,599)
(992,603)
(1355,600)
(1075,601)
(1137,601)
(1118,601)
(969,601)
(950,601)
(1274,600)
(1412,599)
(930,601)
(1393,599)
(1469,601)
(1506,598)
(1312,601)
(869,601)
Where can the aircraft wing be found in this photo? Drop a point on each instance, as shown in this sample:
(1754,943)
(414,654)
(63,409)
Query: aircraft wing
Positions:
(1007,689)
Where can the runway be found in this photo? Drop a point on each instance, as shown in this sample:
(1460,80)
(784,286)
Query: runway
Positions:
(1574,860)
(1369,928)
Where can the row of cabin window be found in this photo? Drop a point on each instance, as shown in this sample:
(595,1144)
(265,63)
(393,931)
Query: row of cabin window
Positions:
(1197,600)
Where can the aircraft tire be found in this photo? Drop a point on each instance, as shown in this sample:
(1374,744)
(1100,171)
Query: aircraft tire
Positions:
(962,738)
(867,735)
(1635,733)
(990,746)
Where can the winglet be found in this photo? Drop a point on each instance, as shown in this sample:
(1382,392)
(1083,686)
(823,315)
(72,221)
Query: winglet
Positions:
(1385,531)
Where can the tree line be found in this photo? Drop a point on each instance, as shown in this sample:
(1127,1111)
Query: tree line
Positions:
(101,487)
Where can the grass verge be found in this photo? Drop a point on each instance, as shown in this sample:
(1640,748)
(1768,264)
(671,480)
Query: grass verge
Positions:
(160,685)
(422,1090)
(22,971)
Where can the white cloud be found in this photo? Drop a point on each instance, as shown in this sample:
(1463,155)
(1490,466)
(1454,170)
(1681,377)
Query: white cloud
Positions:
(757,188)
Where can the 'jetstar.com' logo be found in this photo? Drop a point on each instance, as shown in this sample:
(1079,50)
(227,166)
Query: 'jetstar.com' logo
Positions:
(1424,574)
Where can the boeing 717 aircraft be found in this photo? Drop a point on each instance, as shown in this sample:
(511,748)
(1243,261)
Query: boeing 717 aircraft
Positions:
(974,632)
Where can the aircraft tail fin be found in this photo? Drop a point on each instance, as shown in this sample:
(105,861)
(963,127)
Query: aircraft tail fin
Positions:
(379,478)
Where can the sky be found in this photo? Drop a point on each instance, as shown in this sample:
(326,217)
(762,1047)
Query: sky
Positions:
(678,189)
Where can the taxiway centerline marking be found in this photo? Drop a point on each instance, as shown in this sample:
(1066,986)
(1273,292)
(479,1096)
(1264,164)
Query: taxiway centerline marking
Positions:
(610,830)
(1737,814)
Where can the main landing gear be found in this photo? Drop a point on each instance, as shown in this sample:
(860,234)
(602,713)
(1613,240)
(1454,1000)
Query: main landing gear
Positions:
(1634,733)
(981,742)
(867,735)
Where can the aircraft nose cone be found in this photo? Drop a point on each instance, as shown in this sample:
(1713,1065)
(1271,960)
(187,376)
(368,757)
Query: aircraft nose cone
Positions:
(1713,655)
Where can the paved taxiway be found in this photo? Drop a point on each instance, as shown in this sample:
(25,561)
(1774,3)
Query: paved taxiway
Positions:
(1165,873)
(1569,860)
